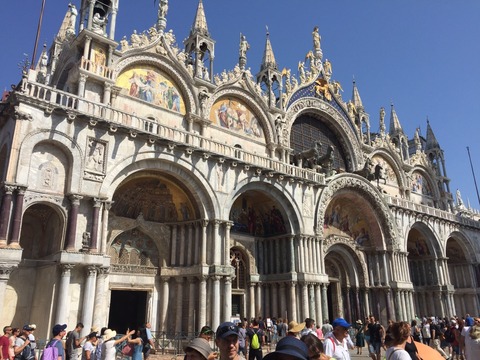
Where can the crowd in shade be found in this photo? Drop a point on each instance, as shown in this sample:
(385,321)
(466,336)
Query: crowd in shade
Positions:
(456,338)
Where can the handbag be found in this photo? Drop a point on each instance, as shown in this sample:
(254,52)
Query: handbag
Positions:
(127,350)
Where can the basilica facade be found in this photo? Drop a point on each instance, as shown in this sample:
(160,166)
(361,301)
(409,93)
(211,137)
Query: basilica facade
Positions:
(140,185)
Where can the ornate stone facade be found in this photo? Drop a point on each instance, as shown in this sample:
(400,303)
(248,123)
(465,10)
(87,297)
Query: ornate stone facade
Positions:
(133,174)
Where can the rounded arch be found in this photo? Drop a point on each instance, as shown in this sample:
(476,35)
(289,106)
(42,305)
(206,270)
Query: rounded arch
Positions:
(289,207)
(421,240)
(343,183)
(67,145)
(245,97)
(43,229)
(198,186)
(462,248)
(352,263)
(184,86)
(334,120)
(418,175)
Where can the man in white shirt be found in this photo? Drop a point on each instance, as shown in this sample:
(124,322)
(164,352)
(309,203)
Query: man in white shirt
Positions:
(336,343)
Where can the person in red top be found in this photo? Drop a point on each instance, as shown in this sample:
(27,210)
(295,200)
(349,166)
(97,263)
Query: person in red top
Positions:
(5,343)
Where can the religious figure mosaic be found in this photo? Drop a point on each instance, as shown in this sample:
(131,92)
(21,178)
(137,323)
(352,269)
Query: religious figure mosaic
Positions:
(148,84)
(341,218)
(236,116)
(420,185)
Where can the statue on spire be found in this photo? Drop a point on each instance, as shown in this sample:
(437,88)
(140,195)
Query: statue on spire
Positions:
(316,43)
(162,15)
(244,46)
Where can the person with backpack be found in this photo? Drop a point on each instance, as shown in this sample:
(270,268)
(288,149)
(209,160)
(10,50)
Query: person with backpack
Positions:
(54,348)
(22,348)
(255,339)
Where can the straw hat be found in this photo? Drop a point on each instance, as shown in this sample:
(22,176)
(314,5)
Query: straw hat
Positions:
(295,327)
(109,333)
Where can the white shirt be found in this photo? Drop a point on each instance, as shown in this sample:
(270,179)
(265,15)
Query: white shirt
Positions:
(394,353)
(336,349)
(108,350)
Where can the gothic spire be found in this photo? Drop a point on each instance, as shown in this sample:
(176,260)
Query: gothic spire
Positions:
(395,126)
(268,61)
(357,101)
(432,142)
(200,21)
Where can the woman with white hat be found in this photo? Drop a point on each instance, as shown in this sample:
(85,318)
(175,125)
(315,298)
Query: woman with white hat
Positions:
(109,342)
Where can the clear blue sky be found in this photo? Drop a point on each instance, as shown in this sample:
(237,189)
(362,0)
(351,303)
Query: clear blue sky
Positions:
(422,55)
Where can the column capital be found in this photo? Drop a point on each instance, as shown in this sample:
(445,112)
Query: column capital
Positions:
(75,199)
(179,280)
(103,270)
(97,202)
(5,271)
(91,270)
(9,188)
(165,279)
(66,269)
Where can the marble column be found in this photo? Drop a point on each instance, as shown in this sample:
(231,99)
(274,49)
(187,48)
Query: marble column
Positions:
(94,229)
(283,301)
(251,298)
(61,314)
(324,301)
(258,300)
(164,302)
(318,304)
(311,302)
(100,314)
(72,222)
(5,213)
(266,300)
(228,226)
(182,240)
(17,217)
(173,247)
(227,299)
(202,303)
(216,302)
(88,297)
(106,208)
(191,305)
(216,243)
(293,303)
(203,252)
(274,300)
(5,272)
(179,300)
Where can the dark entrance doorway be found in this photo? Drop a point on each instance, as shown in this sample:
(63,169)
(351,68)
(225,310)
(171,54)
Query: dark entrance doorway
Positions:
(237,306)
(127,310)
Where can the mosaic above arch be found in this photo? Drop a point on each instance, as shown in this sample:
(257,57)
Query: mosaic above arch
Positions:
(232,114)
(149,84)
(420,185)
(345,220)
(255,213)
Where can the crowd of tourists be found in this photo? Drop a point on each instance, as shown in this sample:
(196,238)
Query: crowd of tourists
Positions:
(453,338)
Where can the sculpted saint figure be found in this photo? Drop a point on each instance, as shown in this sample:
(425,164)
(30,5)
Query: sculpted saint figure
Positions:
(316,39)
(244,46)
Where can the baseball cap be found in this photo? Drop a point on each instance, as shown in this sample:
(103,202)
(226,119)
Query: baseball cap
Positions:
(341,322)
(226,329)
(291,346)
(58,328)
(28,328)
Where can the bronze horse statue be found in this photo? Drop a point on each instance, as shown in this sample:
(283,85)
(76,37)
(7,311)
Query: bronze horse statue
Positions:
(308,158)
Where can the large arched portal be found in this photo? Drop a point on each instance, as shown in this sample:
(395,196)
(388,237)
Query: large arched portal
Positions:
(262,238)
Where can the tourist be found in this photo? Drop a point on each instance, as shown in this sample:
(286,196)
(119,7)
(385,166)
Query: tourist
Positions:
(31,337)
(309,327)
(88,349)
(99,347)
(399,333)
(137,343)
(315,347)
(5,343)
(255,352)
(436,333)
(326,327)
(74,343)
(58,332)
(377,337)
(148,342)
(22,343)
(227,341)
(336,342)
(198,349)
(289,348)
(206,333)
(242,336)
(294,328)
(359,337)
(109,342)
(13,339)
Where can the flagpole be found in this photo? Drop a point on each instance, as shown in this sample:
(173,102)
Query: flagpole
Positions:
(473,173)
(39,27)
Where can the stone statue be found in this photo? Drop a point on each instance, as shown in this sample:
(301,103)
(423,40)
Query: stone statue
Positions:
(73,19)
(327,66)
(135,39)
(244,46)
(163,9)
(416,139)
(98,23)
(382,121)
(124,44)
(459,198)
(316,40)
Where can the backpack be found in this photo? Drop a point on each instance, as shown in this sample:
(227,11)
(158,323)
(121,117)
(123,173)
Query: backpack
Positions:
(26,354)
(50,352)
(255,343)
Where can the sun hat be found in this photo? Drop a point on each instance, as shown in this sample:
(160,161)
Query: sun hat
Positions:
(200,345)
(295,327)
(359,322)
(226,329)
(341,322)
(109,333)
(291,346)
